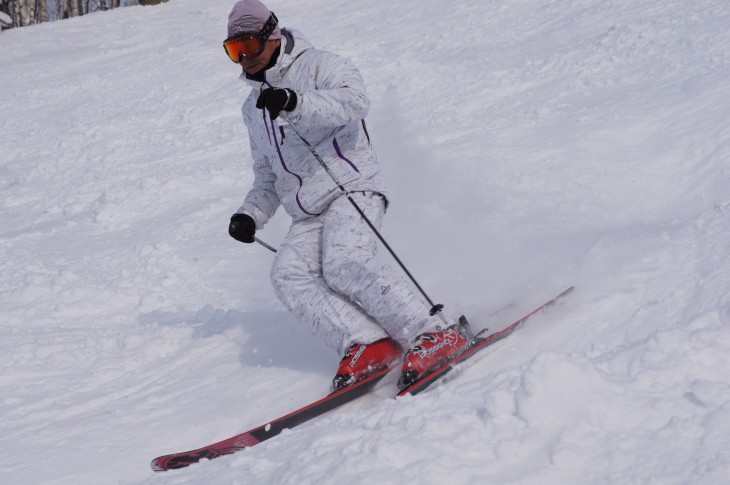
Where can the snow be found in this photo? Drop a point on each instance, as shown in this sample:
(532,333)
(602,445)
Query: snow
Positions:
(5,20)
(528,146)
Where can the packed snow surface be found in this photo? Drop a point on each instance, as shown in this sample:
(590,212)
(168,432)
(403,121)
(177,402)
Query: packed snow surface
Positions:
(528,146)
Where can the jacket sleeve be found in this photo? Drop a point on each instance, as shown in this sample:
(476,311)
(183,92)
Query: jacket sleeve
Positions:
(339,98)
(261,201)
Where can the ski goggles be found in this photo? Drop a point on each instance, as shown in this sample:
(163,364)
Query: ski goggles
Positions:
(250,44)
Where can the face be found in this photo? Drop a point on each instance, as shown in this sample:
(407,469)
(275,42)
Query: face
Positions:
(256,64)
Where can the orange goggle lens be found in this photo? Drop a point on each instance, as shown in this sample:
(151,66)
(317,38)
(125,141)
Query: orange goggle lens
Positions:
(250,46)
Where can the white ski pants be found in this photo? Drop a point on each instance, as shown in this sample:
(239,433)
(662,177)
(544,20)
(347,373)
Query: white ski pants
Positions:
(327,274)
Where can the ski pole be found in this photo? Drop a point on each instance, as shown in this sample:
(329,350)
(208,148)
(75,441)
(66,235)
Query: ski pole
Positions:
(270,248)
(435,308)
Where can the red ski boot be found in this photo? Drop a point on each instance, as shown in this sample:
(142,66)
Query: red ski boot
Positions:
(364,360)
(429,351)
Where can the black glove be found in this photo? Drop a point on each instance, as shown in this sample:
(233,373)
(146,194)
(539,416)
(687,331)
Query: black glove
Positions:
(242,228)
(277,100)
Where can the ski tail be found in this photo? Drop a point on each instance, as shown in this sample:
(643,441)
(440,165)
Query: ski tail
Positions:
(478,343)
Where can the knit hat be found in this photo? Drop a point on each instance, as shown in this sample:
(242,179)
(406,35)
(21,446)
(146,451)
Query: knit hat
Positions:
(249,16)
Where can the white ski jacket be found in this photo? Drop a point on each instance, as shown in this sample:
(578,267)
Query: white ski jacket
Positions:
(331,107)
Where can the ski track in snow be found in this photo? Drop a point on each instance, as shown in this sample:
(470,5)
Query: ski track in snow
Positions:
(528,146)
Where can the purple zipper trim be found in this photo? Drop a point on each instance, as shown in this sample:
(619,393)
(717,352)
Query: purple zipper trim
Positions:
(339,154)
(286,169)
(263,111)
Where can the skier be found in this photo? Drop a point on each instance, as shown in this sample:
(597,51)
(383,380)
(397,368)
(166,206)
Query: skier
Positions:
(326,272)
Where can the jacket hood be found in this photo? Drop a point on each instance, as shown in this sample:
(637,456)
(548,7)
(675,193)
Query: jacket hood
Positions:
(293,44)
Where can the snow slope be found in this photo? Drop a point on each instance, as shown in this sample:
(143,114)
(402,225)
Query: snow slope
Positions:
(528,146)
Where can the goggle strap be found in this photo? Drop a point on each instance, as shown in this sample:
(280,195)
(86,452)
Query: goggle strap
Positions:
(264,32)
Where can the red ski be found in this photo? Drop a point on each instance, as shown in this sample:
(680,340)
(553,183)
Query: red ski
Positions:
(270,429)
(478,343)
(332,401)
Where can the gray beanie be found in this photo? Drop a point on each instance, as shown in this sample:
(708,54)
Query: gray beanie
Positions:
(249,16)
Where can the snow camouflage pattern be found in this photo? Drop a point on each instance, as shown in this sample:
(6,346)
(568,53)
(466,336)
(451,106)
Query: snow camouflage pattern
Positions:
(326,271)
(332,102)
(328,263)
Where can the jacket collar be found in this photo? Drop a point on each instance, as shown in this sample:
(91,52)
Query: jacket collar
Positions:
(293,44)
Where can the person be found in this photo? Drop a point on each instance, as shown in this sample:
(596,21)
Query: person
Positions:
(326,272)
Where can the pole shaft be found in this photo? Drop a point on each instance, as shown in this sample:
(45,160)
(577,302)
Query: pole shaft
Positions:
(435,308)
